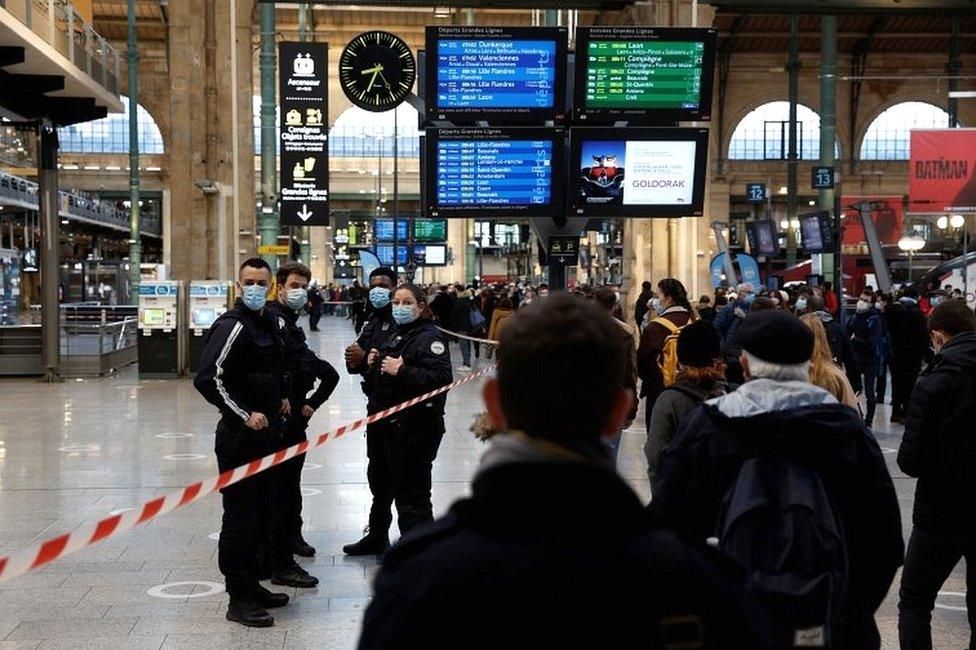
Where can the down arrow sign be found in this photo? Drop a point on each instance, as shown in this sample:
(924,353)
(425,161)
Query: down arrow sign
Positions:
(305,214)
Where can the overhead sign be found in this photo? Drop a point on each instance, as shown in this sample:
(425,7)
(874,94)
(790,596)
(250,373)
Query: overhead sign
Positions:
(304,117)
(563,251)
(273,250)
(942,171)
(756,192)
(822,178)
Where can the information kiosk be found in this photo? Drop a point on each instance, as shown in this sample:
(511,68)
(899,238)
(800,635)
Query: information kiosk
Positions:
(208,300)
(161,318)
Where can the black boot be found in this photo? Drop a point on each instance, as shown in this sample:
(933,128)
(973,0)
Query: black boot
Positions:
(374,543)
(246,611)
(293,576)
(268,599)
(301,548)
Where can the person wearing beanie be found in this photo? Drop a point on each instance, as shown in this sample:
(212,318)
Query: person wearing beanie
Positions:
(701,376)
(780,425)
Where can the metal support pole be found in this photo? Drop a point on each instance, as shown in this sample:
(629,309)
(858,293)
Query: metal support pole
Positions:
(396,194)
(47,176)
(268,220)
(235,145)
(953,68)
(305,232)
(828,130)
(792,157)
(135,239)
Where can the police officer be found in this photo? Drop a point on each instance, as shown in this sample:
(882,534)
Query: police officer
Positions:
(243,373)
(377,329)
(304,367)
(403,446)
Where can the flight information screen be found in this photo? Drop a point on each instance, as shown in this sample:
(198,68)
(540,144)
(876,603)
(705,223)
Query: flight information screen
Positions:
(486,72)
(645,74)
(497,171)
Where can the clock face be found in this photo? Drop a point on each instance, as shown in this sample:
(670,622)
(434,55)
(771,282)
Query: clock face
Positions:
(377,71)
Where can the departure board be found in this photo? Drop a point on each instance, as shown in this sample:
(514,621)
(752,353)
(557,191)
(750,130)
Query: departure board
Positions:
(383,230)
(489,73)
(644,75)
(430,230)
(503,171)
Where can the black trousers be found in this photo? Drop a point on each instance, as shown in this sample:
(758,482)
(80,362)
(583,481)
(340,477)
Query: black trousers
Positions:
(314,316)
(903,378)
(930,559)
(245,527)
(401,459)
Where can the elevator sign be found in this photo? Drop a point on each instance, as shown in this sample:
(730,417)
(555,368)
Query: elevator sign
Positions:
(304,126)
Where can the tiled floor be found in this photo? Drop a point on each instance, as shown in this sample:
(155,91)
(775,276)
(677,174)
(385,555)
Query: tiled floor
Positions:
(73,452)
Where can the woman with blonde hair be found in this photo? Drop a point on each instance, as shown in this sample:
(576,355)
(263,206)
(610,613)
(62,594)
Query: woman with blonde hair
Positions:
(823,371)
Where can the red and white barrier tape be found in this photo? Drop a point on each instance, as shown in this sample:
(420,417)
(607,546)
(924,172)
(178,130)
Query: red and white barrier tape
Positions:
(86,535)
(470,338)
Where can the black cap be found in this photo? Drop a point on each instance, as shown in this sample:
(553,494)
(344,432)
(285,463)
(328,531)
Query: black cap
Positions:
(699,344)
(776,336)
(381,271)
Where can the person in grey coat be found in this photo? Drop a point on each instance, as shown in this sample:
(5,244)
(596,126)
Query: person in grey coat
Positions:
(701,376)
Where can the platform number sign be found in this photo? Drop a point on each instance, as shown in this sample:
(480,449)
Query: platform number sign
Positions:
(756,192)
(822,178)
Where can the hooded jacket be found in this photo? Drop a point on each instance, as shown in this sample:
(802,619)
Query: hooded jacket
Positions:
(803,422)
(939,444)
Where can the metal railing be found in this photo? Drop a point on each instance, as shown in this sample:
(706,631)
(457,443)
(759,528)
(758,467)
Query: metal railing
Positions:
(98,338)
(58,24)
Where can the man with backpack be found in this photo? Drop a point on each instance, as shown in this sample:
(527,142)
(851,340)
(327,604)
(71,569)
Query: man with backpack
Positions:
(939,448)
(864,328)
(794,487)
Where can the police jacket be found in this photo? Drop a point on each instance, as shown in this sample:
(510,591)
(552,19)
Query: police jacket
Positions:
(524,561)
(304,366)
(378,327)
(426,367)
(939,445)
(243,367)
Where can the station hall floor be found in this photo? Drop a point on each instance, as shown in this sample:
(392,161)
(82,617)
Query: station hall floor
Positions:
(73,452)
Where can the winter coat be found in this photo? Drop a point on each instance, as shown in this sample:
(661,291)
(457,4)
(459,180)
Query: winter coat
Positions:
(651,344)
(671,407)
(908,333)
(939,444)
(498,318)
(800,421)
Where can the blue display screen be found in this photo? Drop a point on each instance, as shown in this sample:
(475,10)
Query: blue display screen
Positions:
(383,230)
(495,73)
(384,252)
(494,172)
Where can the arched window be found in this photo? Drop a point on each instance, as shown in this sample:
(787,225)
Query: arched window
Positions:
(763,134)
(888,136)
(358,133)
(111,134)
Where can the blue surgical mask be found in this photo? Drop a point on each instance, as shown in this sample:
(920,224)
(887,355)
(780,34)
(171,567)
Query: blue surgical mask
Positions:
(404,314)
(379,297)
(254,296)
(656,305)
(296,298)
(749,298)
(801,304)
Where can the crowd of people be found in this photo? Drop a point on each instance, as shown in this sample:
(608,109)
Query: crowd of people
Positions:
(773,522)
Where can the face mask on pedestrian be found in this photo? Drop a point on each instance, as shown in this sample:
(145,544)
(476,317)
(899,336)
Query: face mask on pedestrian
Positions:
(404,314)
(801,304)
(749,298)
(254,296)
(937,300)
(296,298)
(863,306)
(656,305)
(379,297)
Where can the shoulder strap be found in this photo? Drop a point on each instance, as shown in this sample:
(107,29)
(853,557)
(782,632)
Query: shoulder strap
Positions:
(670,326)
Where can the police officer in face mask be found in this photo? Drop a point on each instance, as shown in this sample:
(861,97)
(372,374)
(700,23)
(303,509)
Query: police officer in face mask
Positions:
(243,372)
(304,368)
(379,327)
(403,446)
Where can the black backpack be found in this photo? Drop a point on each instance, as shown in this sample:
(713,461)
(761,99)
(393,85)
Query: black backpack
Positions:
(780,524)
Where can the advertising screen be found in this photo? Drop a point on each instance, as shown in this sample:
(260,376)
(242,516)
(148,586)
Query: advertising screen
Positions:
(430,255)
(816,228)
(639,172)
(500,172)
(487,73)
(763,237)
(383,230)
(644,75)
(430,230)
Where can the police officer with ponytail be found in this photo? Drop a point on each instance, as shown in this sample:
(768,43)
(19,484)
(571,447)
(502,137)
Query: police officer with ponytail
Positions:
(402,447)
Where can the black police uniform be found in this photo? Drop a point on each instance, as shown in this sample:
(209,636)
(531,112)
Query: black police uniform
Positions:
(243,370)
(402,447)
(304,367)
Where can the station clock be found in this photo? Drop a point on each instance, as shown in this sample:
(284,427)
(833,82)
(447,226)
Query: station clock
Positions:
(377,71)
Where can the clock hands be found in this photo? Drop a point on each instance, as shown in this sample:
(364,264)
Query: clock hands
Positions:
(375,69)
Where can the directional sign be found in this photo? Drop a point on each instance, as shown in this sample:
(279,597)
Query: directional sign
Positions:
(304,121)
(822,178)
(756,192)
(273,249)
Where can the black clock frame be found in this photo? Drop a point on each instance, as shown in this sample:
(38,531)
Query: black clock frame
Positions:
(404,87)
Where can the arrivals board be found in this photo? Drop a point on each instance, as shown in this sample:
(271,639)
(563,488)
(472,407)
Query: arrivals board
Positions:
(494,74)
(303,122)
(638,172)
(644,75)
(500,172)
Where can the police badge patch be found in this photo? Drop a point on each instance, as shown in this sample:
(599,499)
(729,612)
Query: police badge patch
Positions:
(437,347)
